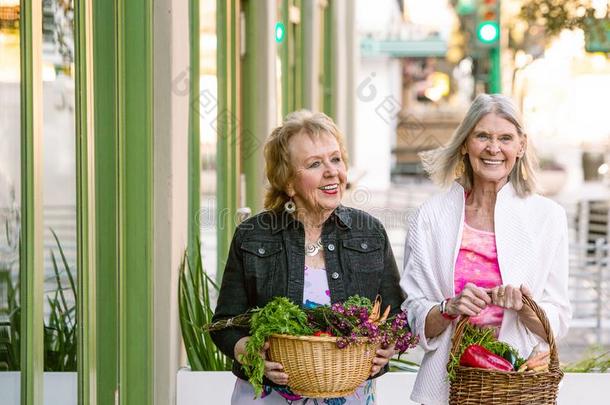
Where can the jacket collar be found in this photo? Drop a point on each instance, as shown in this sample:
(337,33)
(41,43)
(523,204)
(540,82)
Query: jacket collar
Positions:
(341,215)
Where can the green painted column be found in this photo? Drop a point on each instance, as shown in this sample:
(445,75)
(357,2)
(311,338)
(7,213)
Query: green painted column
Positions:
(328,71)
(228,169)
(310,55)
(291,56)
(299,60)
(287,61)
(122,98)
(194,158)
(31,247)
(104,72)
(126,97)
(258,95)
(85,206)
(135,196)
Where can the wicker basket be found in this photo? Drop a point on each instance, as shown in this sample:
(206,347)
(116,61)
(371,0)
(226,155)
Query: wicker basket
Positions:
(479,386)
(317,368)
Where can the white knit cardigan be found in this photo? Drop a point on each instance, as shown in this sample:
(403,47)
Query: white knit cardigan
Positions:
(532,245)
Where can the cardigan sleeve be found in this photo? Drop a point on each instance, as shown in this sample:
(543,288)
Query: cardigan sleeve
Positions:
(417,280)
(555,299)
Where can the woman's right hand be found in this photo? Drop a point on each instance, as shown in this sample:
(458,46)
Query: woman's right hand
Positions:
(273,371)
(471,301)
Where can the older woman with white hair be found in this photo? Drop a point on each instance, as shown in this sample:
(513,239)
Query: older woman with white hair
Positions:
(477,247)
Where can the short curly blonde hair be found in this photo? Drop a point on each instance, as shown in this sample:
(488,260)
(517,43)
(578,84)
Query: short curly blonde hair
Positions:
(278,165)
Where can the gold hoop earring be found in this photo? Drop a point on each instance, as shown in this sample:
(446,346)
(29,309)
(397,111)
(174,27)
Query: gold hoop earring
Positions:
(460,168)
(523,171)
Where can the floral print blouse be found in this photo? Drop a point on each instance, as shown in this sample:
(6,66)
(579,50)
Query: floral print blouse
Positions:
(315,293)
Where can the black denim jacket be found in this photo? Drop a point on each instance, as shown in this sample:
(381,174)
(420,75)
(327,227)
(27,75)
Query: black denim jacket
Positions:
(267,259)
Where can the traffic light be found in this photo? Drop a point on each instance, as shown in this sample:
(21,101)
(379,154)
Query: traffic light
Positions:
(280,32)
(487,23)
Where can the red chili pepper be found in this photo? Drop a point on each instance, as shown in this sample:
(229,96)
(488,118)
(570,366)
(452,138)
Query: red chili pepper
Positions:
(321,333)
(479,357)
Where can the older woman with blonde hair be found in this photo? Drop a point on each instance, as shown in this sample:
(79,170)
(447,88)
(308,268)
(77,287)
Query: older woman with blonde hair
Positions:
(487,239)
(305,246)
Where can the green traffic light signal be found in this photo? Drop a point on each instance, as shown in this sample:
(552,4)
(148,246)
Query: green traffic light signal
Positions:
(280,32)
(488,32)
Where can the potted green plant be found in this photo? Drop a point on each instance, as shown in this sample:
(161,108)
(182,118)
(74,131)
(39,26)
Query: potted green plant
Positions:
(208,369)
(196,291)
(60,341)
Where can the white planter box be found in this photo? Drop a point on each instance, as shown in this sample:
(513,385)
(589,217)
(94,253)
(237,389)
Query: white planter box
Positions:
(59,388)
(215,387)
(584,388)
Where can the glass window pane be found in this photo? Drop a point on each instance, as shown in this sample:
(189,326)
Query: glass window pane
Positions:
(208,110)
(10,193)
(59,199)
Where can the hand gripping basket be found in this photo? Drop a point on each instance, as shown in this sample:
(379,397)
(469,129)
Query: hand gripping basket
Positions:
(490,387)
(317,368)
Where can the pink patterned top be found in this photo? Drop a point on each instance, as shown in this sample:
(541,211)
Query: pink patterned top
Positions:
(477,263)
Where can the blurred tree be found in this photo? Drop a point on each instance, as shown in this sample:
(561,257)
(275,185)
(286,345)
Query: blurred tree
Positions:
(557,15)
(531,25)
(539,21)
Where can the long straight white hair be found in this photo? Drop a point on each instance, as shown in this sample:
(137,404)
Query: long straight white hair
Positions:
(440,163)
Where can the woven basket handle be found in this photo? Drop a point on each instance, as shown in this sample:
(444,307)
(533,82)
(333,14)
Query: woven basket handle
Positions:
(527,301)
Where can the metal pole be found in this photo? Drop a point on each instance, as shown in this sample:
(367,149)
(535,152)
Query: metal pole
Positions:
(495,76)
(258,97)
(229,116)
(31,256)
(85,206)
(328,78)
(194,163)
(600,247)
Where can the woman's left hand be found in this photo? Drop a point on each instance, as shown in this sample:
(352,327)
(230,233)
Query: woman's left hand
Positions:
(508,296)
(382,357)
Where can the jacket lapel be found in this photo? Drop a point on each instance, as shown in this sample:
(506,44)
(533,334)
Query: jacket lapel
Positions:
(514,243)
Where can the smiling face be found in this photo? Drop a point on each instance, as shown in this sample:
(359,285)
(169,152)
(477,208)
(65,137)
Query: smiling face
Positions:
(493,148)
(320,175)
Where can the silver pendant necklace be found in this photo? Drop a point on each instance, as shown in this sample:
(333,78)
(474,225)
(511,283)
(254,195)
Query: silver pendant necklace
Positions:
(312,249)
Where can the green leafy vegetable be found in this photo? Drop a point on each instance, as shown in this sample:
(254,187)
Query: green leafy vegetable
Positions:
(349,321)
(358,301)
(279,316)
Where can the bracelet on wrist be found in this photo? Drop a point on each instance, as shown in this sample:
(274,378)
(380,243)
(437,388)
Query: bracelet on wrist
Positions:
(443,310)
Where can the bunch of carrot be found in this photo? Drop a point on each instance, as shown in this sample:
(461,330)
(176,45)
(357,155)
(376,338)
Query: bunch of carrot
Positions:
(537,361)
